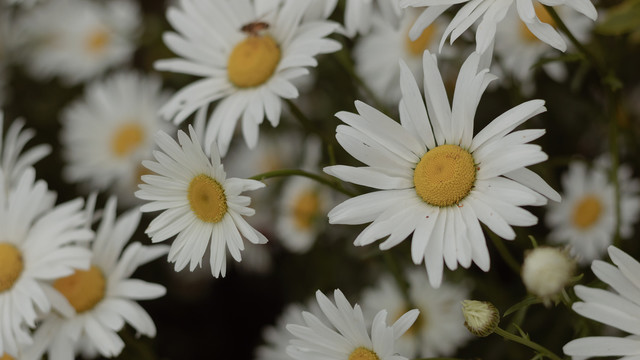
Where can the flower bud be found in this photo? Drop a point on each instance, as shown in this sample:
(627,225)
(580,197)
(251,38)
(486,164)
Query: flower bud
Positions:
(481,317)
(546,271)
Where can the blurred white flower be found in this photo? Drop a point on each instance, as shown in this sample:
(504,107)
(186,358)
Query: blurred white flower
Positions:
(546,271)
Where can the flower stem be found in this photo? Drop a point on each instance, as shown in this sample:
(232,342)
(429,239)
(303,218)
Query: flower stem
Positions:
(504,252)
(528,343)
(297,172)
(393,267)
(615,160)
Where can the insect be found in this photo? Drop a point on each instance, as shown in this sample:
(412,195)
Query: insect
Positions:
(254,27)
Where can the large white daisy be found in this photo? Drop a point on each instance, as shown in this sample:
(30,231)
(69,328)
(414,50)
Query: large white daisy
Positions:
(200,204)
(585,220)
(94,304)
(246,57)
(435,178)
(617,307)
(493,12)
(377,54)
(347,336)
(78,40)
(439,329)
(107,133)
(35,247)
(13,161)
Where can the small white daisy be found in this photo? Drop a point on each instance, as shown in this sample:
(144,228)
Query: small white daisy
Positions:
(493,12)
(348,337)
(617,308)
(377,54)
(247,60)
(200,204)
(519,49)
(106,134)
(13,161)
(439,329)
(435,178)
(35,247)
(96,303)
(585,219)
(358,14)
(78,40)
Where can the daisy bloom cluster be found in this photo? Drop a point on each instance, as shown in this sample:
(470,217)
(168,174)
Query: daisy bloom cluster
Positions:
(616,307)
(347,337)
(434,178)
(199,203)
(247,57)
(586,219)
(78,40)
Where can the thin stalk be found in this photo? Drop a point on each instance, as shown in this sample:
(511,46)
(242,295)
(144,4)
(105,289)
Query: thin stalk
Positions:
(615,160)
(528,343)
(394,269)
(297,172)
(504,253)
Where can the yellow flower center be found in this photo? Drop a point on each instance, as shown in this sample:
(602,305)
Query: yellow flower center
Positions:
(84,289)
(445,175)
(98,40)
(11,266)
(419,45)
(363,353)
(207,199)
(7,357)
(586,212)
(253,61)
(543,15)
(305,209)
(126,139)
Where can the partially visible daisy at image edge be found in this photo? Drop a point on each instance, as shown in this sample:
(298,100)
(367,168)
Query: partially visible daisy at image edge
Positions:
(347,338)
(199,203)
(617,308)
(440,184)
(93,305)
(492,13)
(246,59)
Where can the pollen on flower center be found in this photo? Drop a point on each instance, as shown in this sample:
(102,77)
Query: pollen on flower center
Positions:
(363,353)
(305,209)
(126,139)
(543,15)
(586,212)
(253,61)
(419,45)
(84,289)
(97,41)
(11,266)
(445,175)
(207,199)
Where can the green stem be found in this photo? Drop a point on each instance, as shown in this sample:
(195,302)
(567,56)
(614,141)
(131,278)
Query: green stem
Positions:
(297,172)
(615,160)
(528,343)
(504,252)
(345,62)
(393,267)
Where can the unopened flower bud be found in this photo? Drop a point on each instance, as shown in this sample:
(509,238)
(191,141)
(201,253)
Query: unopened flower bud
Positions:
(481,317)
(546,271)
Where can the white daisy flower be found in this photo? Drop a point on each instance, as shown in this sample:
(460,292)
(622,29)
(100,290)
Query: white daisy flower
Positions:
(493,12)
(348,337)
(106,134)
(13,161)
(247,60)
(35,247)
(519,49)
(96,303)
(585,220)
(200,204)
(358,14)
(78,40)
(377,54)
(439,329)
(618,308)
(441,182)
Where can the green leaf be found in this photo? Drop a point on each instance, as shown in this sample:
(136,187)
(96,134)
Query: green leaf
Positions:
(621,19)
(523,334)
(528,301)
